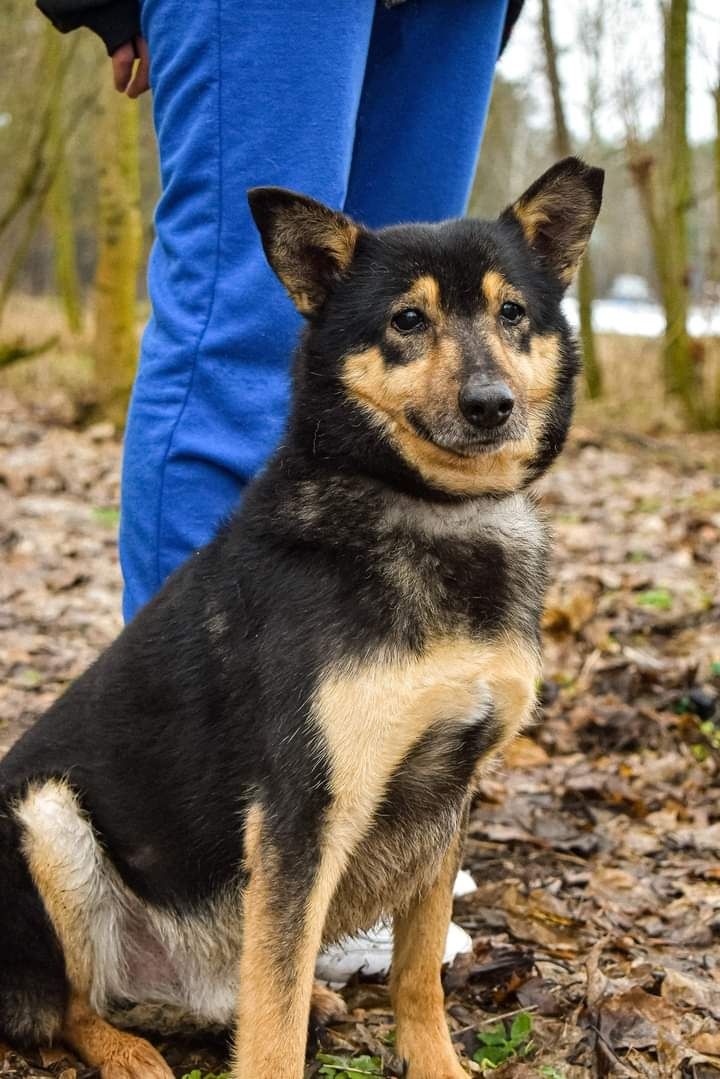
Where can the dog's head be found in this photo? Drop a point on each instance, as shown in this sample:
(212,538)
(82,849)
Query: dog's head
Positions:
(436,355)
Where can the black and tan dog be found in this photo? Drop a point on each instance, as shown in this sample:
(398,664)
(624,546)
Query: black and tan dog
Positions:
(281,748)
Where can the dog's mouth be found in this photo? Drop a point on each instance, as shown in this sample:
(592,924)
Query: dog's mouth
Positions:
(470,443)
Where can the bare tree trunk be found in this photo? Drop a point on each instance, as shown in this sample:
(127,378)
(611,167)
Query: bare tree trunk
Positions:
(562,135)
(120,242)
(643,167)
(33,180)
(59,207)
(677,359)
(714,418)
(30,194)
(563,147)
(716,98)
(31,177)
(20,251)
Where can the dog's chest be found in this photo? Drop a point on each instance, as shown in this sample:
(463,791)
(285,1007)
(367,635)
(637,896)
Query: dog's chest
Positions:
(404,738)
(449,677)
(477,565)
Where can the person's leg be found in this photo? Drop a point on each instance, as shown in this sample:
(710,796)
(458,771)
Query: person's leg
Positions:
(424,103)
(244,94)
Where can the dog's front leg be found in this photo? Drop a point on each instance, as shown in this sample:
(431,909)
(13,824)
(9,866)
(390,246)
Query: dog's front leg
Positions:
(423,1039)
(283,919)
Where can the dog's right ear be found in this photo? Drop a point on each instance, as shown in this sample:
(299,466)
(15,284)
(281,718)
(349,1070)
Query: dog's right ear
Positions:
(308,245)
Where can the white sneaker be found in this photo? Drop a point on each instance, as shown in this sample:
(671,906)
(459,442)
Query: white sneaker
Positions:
(464,884)
(371,953)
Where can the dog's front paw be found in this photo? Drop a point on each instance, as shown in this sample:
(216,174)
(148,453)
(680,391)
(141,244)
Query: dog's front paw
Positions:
(439,1062)
(136,1060)
(451,1070)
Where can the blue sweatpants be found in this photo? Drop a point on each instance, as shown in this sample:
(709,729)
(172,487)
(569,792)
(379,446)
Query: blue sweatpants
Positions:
(378,112)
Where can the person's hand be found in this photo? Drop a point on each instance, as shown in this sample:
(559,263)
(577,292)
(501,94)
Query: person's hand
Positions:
(123,60)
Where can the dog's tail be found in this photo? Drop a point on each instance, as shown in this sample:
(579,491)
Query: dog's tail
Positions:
(33,984)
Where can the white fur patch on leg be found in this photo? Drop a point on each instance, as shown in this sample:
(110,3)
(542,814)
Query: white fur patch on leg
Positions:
(80,895)
(116,946)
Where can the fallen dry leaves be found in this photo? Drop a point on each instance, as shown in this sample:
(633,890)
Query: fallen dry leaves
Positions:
(597,843)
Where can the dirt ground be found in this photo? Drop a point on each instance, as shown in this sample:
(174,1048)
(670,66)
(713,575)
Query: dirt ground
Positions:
(596,843)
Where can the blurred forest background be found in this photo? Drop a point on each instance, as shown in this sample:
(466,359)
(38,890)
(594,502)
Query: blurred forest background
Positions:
(633,85)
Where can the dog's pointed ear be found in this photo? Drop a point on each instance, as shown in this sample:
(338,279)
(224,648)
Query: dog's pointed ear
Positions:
(308,245)
(557,214)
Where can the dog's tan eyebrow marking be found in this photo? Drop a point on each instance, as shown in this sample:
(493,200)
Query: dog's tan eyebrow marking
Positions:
(424,293)
(496,289)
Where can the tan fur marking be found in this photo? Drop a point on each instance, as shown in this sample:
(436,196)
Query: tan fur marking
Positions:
(399,699)
(384,393)
(273,1009)
(253,835)
(100,923)
(418,1001)
(497,290)
(533,215)
(425,294)
(341,242)
(265,1007)
(543,365)
(44,813)
(297,229)
(552,203)
(326,1005)
(116,1054)
(532,374)
(260,1012)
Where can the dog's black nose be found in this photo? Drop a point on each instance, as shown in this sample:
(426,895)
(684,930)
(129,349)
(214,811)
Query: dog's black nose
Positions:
(486,404)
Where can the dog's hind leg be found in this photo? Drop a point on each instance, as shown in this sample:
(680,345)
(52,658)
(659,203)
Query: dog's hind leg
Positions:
(33,984)
(283,920)
(82,904)
(326,1005)
(423,1039)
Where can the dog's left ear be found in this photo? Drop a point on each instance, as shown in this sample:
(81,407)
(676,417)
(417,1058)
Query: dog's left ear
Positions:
(308,245)
(557,214)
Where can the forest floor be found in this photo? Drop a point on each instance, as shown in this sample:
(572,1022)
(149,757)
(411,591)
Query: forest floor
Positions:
(596,923)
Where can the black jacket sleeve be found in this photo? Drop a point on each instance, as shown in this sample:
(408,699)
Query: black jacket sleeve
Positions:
(513,13)
(115,21)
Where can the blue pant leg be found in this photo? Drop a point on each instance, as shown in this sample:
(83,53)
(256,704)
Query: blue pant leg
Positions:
(245,93)
(423,109)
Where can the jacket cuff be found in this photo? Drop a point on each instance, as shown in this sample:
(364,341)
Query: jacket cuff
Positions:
(513,13)
(115,23)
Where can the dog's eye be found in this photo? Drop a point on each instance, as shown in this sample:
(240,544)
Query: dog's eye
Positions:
(409,320)
(511,312)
